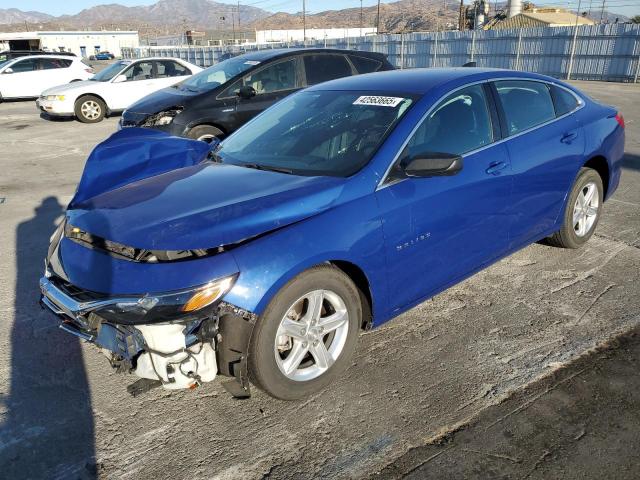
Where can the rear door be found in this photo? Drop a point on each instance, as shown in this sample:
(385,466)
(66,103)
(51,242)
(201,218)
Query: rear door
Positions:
(55,71)
(545,148)
(272,82)
(439,229)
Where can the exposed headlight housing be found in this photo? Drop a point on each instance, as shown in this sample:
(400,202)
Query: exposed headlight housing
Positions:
(162,118)
(186,305)
(55,97)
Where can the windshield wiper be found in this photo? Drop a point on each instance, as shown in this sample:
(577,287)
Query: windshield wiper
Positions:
(267,168)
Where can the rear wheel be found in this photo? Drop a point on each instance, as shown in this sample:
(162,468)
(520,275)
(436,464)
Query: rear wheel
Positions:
(582,212)
(90,109)
(205,133)
(307,334)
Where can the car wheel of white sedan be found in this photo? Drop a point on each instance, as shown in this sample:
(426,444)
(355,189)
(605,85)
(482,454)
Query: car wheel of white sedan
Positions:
(307,335)
(582,211)
(90,109)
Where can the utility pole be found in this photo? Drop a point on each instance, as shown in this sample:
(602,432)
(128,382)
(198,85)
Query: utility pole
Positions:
(378,19)
(304,22)
(233,27)
(573,43)
(360,17)
(602,11)
(238,16)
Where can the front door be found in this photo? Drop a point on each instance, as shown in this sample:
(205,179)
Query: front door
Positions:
(438,229)
(271,83)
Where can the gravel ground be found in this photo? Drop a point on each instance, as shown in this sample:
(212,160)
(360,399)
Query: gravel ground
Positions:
(65,414)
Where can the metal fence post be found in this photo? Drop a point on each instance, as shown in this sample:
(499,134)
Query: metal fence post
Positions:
(473,43)
(635,77)
(435,50)
(401,50)
(517,67)
(573,51)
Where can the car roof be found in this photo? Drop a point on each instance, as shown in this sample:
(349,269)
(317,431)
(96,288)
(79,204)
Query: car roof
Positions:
(47,56)
(420,80)
(268,54)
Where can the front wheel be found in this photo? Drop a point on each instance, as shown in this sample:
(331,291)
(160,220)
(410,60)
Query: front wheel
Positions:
(205,133)
(90,109)
(583,210)
(307,335)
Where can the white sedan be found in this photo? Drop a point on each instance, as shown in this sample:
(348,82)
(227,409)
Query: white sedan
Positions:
(27,77)
(114,88)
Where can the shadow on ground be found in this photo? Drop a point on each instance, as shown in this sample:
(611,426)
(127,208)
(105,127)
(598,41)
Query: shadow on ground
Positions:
(48,430)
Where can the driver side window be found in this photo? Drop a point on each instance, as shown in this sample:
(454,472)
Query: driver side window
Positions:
(139,71)
(459,124)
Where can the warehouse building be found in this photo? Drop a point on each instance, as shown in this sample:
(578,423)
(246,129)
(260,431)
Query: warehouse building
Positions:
(541,17)
(82,43)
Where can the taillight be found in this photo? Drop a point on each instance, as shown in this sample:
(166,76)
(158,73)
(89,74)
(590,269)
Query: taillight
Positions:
(620,119)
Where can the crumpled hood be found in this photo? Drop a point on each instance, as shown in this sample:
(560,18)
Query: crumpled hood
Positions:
(198,206)
(161,100)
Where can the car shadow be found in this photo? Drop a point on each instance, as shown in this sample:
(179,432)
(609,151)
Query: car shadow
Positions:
(48,429)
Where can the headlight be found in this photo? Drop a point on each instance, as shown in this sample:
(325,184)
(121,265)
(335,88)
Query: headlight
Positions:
(162,118)
(55,97)
(184,305)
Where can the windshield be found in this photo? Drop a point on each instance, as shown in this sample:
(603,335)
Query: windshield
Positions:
(333,133)
(109,72)
(216,75)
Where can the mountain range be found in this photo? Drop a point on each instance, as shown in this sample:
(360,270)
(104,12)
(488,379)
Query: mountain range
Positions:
(175,16)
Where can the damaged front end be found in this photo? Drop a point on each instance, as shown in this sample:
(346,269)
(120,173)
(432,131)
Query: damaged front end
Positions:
(176,340)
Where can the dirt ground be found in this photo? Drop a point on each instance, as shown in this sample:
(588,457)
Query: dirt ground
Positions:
(453,361)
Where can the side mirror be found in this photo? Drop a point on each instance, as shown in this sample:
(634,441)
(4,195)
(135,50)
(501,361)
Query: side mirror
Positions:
(8,70)
(432,165)
(246,92)
(120,79)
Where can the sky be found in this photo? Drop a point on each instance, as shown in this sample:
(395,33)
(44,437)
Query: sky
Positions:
(53,7)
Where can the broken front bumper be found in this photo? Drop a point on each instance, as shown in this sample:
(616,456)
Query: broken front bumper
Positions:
(179,354)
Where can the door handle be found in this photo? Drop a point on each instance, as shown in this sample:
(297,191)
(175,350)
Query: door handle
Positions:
(568,137)
(495,168)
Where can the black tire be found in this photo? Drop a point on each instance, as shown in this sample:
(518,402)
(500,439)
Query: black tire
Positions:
(264,371)
(75,80)
(567,237)
(205,133)
(96,103)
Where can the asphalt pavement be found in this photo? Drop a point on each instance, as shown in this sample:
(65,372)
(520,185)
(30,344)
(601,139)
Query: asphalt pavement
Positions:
(432,377)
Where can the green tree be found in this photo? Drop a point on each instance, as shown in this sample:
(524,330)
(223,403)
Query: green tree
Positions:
(635,19)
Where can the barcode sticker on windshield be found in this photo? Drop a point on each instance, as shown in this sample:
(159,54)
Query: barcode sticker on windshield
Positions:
(376,100)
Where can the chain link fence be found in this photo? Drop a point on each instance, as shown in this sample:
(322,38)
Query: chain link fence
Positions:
(608,52)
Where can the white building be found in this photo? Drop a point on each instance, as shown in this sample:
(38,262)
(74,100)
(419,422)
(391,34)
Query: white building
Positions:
(81,43)
(266,36)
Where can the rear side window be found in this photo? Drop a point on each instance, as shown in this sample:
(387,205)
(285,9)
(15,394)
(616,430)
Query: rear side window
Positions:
(525,104)
(365,65)
(564,101)
(459,124)
(51,63)
(169,68)
(322,68)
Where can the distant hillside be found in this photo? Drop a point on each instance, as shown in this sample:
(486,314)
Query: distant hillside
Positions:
(13,15)
(408,15)
(165,16)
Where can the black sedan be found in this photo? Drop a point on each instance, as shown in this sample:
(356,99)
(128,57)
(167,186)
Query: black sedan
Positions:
(217,101)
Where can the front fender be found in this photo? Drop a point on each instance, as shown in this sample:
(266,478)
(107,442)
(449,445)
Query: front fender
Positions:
(351,232)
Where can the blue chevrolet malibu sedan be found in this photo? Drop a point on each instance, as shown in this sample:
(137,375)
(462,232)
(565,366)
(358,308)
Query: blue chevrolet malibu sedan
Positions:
(262,258)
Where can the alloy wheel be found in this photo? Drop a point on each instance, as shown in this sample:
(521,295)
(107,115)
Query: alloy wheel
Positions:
(585,210)
(90,110)
(312,335)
